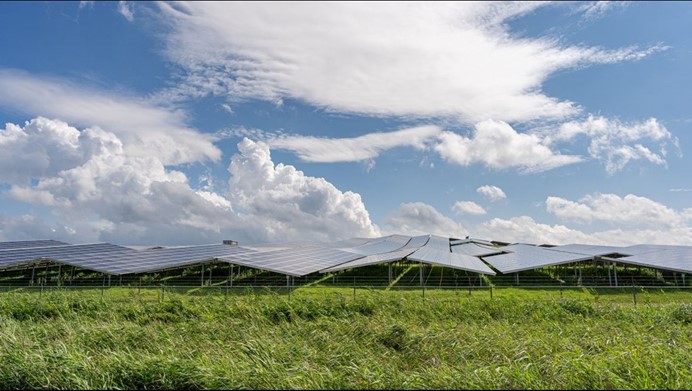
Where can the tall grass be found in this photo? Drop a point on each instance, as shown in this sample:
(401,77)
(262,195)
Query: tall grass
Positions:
(324,339)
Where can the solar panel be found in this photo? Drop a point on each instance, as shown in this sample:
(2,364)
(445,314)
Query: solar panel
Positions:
(475,250)
(588,249)
(19,256)
(29,244)
(674,258)
(522,257)
(381,245)
(294,262)
(411,246)
(150,260)
(437,252)
(372,260)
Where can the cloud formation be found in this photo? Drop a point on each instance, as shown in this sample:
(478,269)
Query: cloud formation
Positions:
(493,193)
(144,129)
(425,60)
(366,147)
(97,191)
(617,143)
(468,207)
(418,218)
(497,145)
(630,210)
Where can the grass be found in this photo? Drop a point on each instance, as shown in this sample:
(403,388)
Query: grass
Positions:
(323,338)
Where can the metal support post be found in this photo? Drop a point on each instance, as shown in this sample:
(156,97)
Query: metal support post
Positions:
(516,278)
(420,267)
(59,274)
(615,273)
(201,276)
(390,273)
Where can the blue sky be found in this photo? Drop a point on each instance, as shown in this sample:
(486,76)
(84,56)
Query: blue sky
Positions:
(176,123)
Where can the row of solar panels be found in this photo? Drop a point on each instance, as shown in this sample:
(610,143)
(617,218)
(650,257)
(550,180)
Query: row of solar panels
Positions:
(303,258)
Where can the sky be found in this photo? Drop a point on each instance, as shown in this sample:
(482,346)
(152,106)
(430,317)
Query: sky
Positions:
(186,123)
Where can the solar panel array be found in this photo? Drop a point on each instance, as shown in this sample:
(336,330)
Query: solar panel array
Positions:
(302,258)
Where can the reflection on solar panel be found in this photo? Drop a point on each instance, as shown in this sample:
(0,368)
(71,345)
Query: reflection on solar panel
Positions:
(674,258)
(437,252)
(475,250)
(589,249)
(23,255)
(293,262)
(29,244)
(125,262)
(526,257)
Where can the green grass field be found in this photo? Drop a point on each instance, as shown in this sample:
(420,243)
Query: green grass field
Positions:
(324,338)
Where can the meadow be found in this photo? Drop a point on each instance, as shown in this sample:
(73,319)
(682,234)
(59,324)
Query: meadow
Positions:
(325,338)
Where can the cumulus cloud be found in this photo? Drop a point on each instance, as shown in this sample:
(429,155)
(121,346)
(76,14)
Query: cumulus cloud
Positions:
(290,204)
(87,176)
(493,193)
(450,60)
(418,218)
(145,129)
(617,143)
(497,145)
(630,210)
(366,147)
(100,192)
(468,207)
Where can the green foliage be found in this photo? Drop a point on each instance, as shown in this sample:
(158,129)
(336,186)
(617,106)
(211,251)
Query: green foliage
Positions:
(325,339)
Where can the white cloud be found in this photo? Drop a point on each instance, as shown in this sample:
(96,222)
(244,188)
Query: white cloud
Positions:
(145,129)
(493,193)
(497,145)
(125,9)
(417,218)
(630,210)
(99,192)
(450,60)
(618,143)
(679,190)
(526,230)
(468,207)
(366,147)
(288,204)
(596,9)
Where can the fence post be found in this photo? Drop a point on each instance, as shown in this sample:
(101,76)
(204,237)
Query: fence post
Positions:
(634,292)
(560,289)
(354,292)
(424,292)
(491,291)
(163,292)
